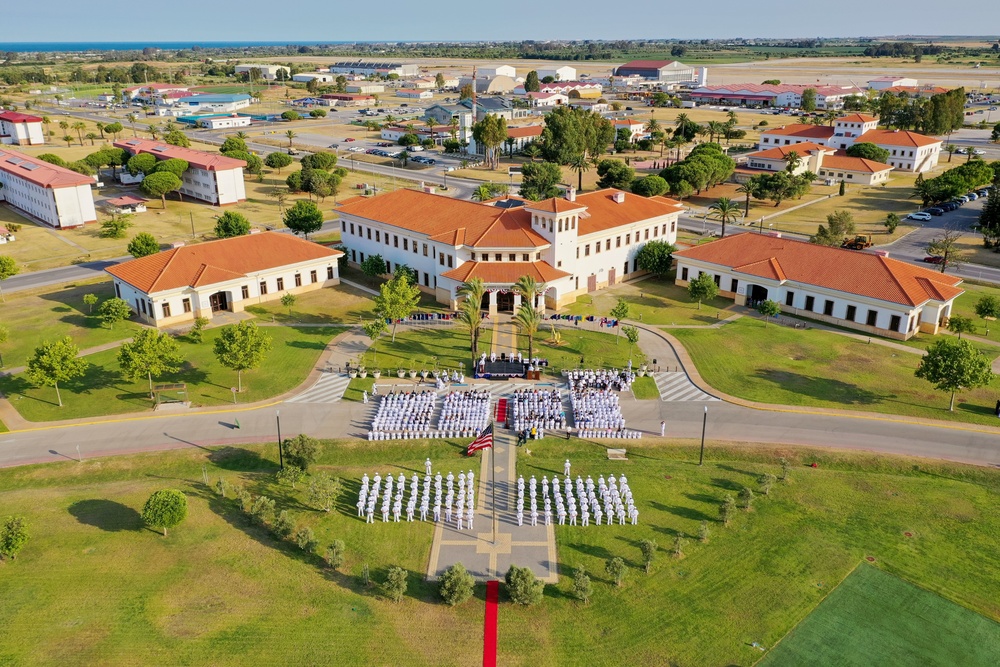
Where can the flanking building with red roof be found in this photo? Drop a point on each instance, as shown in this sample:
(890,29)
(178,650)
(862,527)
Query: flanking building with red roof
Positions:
(46,192)
(175,286)
(211,177)
(21,129)
(577,244)
(859,290)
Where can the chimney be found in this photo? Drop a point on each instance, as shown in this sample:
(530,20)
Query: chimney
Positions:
(571,194)
(619,197)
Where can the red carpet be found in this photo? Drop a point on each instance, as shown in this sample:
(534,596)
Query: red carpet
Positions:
(501,413)
(490,624)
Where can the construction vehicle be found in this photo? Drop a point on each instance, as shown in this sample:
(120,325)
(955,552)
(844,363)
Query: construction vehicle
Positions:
(859,242)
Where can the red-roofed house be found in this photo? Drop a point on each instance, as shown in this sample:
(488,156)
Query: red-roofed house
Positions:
(21,129)
(820,160)
(55,195)
(575,245)
(210,177)
(858,290)
(177,285)
(547,99)
(523,136)
(787,95)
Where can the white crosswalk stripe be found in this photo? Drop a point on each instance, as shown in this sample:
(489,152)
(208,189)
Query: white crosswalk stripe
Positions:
(678,387)
(329,388)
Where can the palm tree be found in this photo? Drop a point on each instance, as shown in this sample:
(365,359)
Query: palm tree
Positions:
(242,135)
(482,193)
(724,210)
(131,118)
(831,115)
(291,135)
(79,127)
(715,128)
(579,164)
(63,125)
(731,117)
(100,128)
(528,288)
(532,151)
(681,120)
(679,141)
(453,128)
(470,312)
(68,139)
(751,188)
(390,119)
(792,161)
(430,123)
(527,320)
(969,152)
(170,125)
(153,130)
(652,125)
(93,137)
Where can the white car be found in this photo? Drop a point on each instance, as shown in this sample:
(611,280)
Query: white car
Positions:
(356,149)
(919,215)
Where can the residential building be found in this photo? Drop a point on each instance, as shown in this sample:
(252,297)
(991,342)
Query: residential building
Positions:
(883,82)
(785,95)
(563,73)
(499,70)
(856,290)
(450,81)
(267,72)
(908,151)
(177,285)
(211,177)
(522,136)
(547,99)
(348,99)
(463,112)
(636,128)
(319,77)
(827,163)
(365,87)
(402,70)
(574,245)
(423,83)
(664,71)
(21,129)
(414,94)
(54,195)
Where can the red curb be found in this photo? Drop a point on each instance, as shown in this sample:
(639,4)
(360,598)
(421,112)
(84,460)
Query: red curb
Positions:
(490,624)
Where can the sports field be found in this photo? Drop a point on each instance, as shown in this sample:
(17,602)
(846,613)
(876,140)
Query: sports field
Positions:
(874,618)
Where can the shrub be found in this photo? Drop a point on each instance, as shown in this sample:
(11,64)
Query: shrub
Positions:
(523,587)
(616,568)
(334,555)
(455,585)
(582,588)
(165,509)
(305,539)
(395,583)
(284,525)
(301,451)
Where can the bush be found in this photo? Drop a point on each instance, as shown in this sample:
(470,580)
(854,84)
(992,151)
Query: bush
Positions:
(197,333)
(143,244)
(455,585)
(374,266)
(262,510)
(291,475)
(648,548)
(334,555)
(582,588)
(232,224)
(523,587)
(305,539)
(323,491)
(284,525)
(395,583)
(615,567)
(13,536)
(165,509)
(301,451)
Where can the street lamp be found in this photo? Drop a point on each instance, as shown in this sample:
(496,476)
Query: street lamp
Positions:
(281,459)
(704,423)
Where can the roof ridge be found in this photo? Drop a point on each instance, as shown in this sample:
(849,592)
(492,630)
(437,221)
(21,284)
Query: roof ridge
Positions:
(173,253)
(888,267)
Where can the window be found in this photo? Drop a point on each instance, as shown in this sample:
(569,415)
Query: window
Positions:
(512,257)
(586,250)
(810,303)
(329,273)
(656,232)
(872,318)
(354,256)
(281,283)
(664,229)
(560,225)
(538,256)
(628,239)
(852,312)
(263,287)
(245,290)
(425,250)
(143,304)
(186,305)
(789,299)
(427,280)
(733,284)
(441,259)
(406,244)
(369,233)
(597,247)
(450,261)
(166,310)
(607,244)
(343,226)
(524,258)
(312,276)
(673,225)
(684,273)
(298,280)
(618,242)
(828,308)
(497,257)
(352,227)
(645,237)
(718,280)
(894,323)
(118,290)
(473,257)
(395,241)
(578,252)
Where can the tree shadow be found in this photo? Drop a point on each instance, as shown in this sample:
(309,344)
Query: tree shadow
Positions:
(682,512)
(729,468)
(825,389)
(239,459)
(107,515)
(727,484)
(703,498)
(16,387)
(306,344)
(592,550)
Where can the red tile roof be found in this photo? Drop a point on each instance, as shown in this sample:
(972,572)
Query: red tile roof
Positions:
(218,261)
(801,130)
(772,89)
(527,131)
(781,152)
(505,273)
(857,118)
(896,138)
(858,164)
(604,213)
(127,200)
(849,271)
(40,172)
(16,117)
(195,158)
(554,205)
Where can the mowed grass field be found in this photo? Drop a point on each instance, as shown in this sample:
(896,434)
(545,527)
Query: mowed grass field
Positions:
(653,301)
(777,364)
(95,587)
(876,618)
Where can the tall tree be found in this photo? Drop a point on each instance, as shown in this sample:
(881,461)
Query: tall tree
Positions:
(656,257)
(527,321)
(304,218)
(232,223)
(946,246)
(159,184)
(988,308)
(750,188)
(489,134)
(113,311)
(528,288)
(396,300)
(839,225)
(374,330)
(150,353)
(278,160)
(703,288)
(55,362)
(614,174)
(619,312)
(241,347)
(953,365)
(724,210)
(531,84)
(538,180)
(580,164)
(808,99)
(470,313)
(143,244)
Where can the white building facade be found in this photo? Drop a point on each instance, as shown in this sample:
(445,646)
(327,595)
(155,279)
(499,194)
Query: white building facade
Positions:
(54,195)
(563,73)
(21,129)
(211,177)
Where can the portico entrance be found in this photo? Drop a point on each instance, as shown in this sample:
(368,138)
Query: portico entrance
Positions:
(756,294)
(505,302)
(219,301)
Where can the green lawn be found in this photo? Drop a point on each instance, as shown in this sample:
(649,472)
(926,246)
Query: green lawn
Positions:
(876,618)
(644,389)
(780,365)
(94,587)
(49,315)
(652,301)
(340,305)
(102,391)
(965,305)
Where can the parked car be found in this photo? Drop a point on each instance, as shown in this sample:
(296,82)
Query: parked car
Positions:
(948,206)
(919,215)
(349,139)
(972,196)
(934,259)
(963,199)
(934,211)
(983,193)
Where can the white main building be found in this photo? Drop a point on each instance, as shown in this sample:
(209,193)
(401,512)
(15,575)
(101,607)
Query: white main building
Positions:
(574,245)
(54,195)
(211,177)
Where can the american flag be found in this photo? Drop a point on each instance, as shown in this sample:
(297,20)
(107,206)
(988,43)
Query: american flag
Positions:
(484,440)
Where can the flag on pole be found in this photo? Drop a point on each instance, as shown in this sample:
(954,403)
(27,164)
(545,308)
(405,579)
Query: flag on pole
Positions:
(484,440)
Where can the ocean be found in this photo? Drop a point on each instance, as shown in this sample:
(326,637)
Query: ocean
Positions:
(76,47)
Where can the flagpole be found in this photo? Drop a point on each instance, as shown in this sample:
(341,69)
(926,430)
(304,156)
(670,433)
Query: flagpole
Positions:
(493,461)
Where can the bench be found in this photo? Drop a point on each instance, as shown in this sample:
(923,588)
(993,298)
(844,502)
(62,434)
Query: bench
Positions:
(617,455)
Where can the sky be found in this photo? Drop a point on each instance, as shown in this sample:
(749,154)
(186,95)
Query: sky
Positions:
(350,20)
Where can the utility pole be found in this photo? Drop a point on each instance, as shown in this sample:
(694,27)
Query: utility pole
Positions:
(704,423)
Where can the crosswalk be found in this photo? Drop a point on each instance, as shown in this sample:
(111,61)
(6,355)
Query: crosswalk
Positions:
(678,387)
(329,388)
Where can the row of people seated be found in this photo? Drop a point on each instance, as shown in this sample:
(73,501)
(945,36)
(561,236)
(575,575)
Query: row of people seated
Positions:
(601,378)
(536,409)
(463,411)
(405,412)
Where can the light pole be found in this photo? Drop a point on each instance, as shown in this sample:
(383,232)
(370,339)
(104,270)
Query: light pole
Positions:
(281,459)
(704,423)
